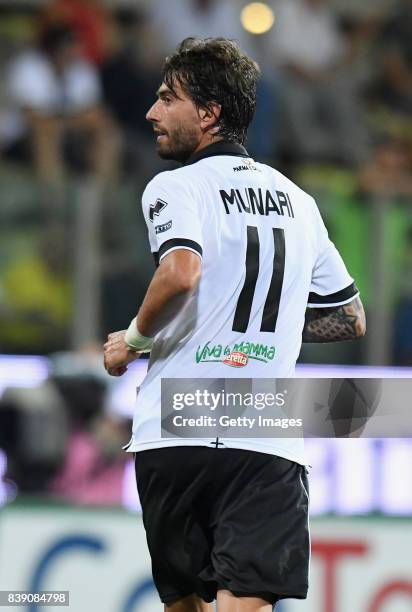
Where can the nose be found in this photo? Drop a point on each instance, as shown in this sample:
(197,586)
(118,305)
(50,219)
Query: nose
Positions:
(152,114)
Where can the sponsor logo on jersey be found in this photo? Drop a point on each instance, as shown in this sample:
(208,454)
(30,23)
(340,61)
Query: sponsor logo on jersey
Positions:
(237,355)
(247,164)
(236,359)
(257,202)
(159,229)
(156,208)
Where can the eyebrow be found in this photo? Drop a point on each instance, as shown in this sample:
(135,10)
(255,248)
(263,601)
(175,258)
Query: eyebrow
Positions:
(167,91)
(163,92)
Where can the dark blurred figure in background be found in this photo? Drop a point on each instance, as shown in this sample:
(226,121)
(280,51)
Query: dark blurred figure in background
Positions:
(129,78)
(58,96)
(319,90)
(60,441)
(385,184)
(393,86)
(388,172)
(33,426)
(93,467)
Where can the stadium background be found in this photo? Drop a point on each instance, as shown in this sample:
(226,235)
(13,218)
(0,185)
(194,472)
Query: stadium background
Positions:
(335,114)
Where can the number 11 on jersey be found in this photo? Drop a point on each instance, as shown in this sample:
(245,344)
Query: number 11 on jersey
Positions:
(244,303)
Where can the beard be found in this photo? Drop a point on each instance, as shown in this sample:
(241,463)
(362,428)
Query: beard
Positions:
(179,144)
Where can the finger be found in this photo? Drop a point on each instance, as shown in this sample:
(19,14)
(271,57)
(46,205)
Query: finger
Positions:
(113,355)
(116,334)
(112,336)
(111,347)
(117,342)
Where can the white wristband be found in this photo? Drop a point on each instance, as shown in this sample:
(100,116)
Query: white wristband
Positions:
(136,341)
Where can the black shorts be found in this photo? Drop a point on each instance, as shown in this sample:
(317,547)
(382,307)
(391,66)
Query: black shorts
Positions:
(224,519)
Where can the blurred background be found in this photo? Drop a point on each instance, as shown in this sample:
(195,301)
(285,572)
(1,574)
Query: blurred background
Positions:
(335,114)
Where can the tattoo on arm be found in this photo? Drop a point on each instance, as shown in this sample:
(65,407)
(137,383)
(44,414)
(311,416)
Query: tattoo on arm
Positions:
(345,322)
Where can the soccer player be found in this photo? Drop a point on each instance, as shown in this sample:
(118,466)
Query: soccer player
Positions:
(243,256)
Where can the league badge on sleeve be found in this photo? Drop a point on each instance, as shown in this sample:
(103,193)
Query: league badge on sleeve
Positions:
(156,208)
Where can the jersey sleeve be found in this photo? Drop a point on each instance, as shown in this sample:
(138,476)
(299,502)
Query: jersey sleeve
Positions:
(331,283)
(172,215)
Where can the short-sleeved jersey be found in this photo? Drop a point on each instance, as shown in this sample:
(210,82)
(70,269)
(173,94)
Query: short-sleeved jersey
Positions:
(266,257)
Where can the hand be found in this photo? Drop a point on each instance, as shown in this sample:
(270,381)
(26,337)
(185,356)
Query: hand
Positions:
(117,355)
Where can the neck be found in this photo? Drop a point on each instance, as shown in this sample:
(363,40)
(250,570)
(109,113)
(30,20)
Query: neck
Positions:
(219,147)
(207,140)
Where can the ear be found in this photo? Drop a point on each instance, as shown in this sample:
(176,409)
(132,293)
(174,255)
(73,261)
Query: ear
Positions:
(209,116)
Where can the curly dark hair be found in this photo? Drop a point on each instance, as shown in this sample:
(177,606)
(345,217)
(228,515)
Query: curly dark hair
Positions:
(215,70)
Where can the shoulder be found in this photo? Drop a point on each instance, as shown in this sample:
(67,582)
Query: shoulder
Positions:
(170,180)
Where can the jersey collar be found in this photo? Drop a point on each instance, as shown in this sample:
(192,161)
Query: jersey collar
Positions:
(221,147)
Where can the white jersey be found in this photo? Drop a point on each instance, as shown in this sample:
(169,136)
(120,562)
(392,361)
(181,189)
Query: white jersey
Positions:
(266,258)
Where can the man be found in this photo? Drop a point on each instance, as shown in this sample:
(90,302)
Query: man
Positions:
(56,93)
(241,250)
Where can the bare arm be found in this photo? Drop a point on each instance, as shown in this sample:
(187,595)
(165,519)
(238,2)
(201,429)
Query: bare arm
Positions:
(172,284)
(345,322)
